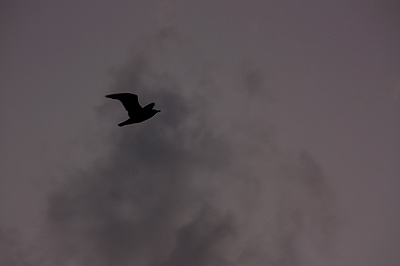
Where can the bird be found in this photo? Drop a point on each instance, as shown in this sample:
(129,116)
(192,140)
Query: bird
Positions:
(136,112)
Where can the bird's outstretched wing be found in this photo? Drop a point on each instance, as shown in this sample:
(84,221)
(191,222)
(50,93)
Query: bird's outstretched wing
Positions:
(129,100)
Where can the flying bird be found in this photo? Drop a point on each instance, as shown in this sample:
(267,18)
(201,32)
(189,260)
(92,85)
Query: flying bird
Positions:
(136,112)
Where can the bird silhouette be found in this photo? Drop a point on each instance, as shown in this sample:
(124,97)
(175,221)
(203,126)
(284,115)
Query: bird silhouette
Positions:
(136,112)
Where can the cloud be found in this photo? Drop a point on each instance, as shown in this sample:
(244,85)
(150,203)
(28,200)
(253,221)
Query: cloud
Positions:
(9,249)
(195,185)
(15,252)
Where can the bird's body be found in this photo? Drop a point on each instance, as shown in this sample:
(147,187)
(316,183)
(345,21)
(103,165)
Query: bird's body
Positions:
(136,112)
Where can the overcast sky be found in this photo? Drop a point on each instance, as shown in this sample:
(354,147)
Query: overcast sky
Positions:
(277,142)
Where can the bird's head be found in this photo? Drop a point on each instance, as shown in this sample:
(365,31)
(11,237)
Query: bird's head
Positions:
(149,109)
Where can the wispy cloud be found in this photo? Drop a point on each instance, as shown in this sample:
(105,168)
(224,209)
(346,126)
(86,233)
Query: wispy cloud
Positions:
(183,188)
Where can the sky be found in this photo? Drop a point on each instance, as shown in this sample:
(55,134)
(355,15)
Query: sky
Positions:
(277,141)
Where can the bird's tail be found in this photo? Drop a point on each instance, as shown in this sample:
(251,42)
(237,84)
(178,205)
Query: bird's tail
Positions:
(127,122)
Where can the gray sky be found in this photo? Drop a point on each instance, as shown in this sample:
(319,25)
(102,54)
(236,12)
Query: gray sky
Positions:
(277,143)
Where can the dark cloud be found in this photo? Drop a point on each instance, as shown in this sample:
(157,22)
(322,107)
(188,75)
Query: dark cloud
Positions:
(180,189)
(9,249)
(15,252)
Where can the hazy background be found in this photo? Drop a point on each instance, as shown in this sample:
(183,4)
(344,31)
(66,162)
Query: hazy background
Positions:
(277,143)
